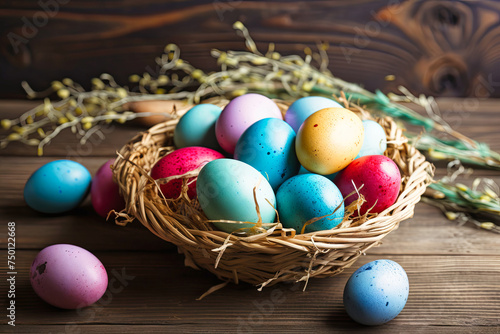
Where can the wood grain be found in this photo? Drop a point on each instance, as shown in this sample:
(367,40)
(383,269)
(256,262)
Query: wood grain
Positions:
(437,48)
(445,291)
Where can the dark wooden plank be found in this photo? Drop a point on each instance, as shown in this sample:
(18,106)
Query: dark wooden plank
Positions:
(266,329)
(438,48)
(444,291)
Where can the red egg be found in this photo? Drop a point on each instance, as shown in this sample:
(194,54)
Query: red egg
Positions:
(380,178)
(180,162)
(104,191)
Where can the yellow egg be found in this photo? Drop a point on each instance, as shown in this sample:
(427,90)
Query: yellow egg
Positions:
(329,140)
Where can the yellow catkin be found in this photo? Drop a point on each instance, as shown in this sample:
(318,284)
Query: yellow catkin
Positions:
(63,93)
(6,124)
(134,78)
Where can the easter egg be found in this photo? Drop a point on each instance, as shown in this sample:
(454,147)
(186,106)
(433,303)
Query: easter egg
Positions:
(225,192)
(305,107)
(104,192)
(380,178)
(376,293)
(180,162)
(308,196)
(239,114)
(68,276)
(374,140)
(329,140)
(197,127)
(57,186)
(269,146)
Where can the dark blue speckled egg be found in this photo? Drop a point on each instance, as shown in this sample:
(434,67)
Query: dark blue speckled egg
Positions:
(269,146)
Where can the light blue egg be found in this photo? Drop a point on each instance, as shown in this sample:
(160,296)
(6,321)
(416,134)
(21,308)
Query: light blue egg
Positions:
(305,107)
(376,293)
(330,177)
(374,140)
(57,186)
(308,196)
(225,192)
(269,146)
(197,127)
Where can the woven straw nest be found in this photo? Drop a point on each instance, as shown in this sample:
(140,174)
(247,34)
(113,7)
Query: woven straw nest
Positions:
(266,258)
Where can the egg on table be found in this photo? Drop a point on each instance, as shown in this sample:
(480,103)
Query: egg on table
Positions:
(68,276)
(305,107)
(376,293)
(104,192)
(269,146)
(57,187)
(304,197)
(239,114)
(180,162)
(329,140)
(225,192)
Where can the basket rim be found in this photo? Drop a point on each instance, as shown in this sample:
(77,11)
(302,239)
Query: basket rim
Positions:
(348,241)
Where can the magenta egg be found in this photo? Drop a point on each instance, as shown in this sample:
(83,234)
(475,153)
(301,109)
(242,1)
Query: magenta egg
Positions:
(104,192)
(180,162)
(68,276)
(380,178)
(239,114)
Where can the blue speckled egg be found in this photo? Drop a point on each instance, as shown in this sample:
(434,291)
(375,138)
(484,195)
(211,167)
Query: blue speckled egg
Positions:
(305,107)
(374,140)
(225,192)
(269,146)
(376,293)
(308,196)
(197,127)
(57,186)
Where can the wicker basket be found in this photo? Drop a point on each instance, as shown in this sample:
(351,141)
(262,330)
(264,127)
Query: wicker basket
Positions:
(268,258)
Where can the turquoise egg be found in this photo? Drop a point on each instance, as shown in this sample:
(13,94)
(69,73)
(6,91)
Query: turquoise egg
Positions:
(225,192)
(269,146)
(305,107)
(197,127)
(376,293)
(307,196)
(57,186)
(374,141)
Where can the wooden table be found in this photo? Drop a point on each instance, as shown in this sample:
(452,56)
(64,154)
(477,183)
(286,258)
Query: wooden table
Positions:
(454,271)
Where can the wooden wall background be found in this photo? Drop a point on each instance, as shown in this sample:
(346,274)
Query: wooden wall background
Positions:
(447,48)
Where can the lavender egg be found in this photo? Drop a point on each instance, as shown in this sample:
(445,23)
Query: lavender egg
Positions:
(239,115)
(68,276)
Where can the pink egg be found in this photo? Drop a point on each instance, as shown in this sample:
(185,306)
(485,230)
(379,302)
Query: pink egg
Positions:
(381,179)
(180,162)
(104,191)
(239,114)
(68,276)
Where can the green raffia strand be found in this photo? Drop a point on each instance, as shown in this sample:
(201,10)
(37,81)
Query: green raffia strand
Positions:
(271,74)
